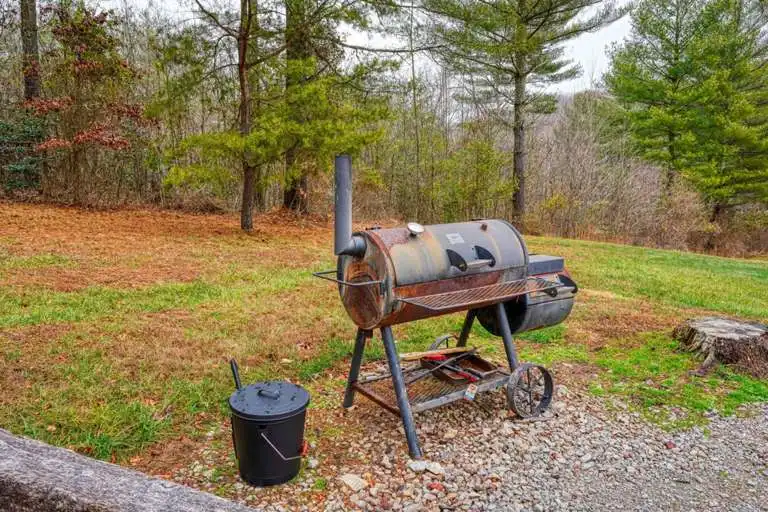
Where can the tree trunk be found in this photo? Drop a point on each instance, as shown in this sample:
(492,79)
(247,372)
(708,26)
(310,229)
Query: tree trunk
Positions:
(259,195)
(246,208)
(519,150)
(717,210)
(246,211)
(669,178)
(415,113)
(297,50)
(295,194)
(29,46)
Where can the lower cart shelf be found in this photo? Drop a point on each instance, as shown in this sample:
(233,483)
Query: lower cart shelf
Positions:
(425,393)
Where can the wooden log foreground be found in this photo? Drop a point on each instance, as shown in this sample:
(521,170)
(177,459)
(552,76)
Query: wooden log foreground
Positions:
(728,341)
(36,477)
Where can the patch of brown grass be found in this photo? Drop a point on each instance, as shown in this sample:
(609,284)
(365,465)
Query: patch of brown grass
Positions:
(24,352)
(39,228)
(134,248)
(329,429)
(73,279)
(599,317)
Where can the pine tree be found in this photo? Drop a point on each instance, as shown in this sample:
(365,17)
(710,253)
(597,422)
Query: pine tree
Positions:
(514,48)
(728,151)
(303,48)
(314,51)
(694,81)
(652,74)
(296,102)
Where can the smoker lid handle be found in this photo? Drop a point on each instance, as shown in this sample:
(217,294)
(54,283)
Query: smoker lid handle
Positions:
(480,263)
(566,280)
(485,259)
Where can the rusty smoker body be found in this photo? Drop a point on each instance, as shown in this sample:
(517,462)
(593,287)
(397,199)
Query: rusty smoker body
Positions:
(396,275)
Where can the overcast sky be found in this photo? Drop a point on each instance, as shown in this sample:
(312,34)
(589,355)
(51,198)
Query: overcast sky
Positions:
(589,50)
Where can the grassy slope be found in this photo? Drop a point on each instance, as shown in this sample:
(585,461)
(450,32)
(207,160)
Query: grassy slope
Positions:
(726,285)
(111,368)
(647,367)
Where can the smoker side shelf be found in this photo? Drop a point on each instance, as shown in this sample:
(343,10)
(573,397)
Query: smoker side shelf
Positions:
(425,393)
(482,295)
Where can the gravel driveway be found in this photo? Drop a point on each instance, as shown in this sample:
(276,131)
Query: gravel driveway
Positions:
(588,456)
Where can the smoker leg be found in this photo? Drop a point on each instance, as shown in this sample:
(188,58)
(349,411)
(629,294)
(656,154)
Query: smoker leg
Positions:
(466,328)
(506,335)
(400,392)
(354,369)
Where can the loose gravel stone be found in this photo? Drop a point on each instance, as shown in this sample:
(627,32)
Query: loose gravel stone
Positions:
(592,456)
(417,466)
(354,482)
(435,468)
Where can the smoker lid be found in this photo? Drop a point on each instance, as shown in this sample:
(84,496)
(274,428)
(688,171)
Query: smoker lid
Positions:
(447,251)
(269,401)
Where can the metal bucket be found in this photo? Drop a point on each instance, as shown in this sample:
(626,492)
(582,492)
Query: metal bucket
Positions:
(268,429)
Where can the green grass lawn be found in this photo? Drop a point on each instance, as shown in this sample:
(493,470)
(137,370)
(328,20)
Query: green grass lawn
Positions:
(725,285)
(112,370)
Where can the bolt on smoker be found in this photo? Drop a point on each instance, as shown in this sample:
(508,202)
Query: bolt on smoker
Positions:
(391,276)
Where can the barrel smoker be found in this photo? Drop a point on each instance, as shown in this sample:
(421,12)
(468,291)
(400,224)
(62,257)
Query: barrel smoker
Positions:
(391,276)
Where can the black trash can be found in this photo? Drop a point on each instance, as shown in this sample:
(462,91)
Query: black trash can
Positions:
(268,430)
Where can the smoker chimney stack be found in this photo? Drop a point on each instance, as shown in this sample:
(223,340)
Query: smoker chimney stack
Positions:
(343,241)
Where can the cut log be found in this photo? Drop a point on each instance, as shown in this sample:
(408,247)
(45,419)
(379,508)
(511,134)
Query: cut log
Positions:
(728,341)
(36,477)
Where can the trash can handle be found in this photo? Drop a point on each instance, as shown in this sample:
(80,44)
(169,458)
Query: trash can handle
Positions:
(235,373)
(269,394)
(304,449)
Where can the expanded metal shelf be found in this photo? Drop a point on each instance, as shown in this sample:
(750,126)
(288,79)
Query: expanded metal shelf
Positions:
(425,393)
(482,295)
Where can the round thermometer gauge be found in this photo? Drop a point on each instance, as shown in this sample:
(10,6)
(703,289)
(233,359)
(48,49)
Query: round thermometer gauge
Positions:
(415,228)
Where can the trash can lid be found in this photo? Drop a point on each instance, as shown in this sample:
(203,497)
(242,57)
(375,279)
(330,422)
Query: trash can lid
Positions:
(269,401)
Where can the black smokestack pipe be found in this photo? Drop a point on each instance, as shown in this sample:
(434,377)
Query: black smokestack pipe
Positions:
(343,241)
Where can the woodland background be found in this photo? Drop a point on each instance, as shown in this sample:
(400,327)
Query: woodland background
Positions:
(242,105)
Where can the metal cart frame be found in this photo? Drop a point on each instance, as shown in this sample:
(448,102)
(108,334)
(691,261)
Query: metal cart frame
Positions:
(404,408)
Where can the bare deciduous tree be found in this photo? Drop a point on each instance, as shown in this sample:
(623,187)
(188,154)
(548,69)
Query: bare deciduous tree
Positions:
(28,11)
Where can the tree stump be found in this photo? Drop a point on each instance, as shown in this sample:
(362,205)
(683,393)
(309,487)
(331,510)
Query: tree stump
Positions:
(728,341)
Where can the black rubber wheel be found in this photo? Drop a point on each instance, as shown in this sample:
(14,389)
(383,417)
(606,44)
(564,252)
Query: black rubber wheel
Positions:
(529,390)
